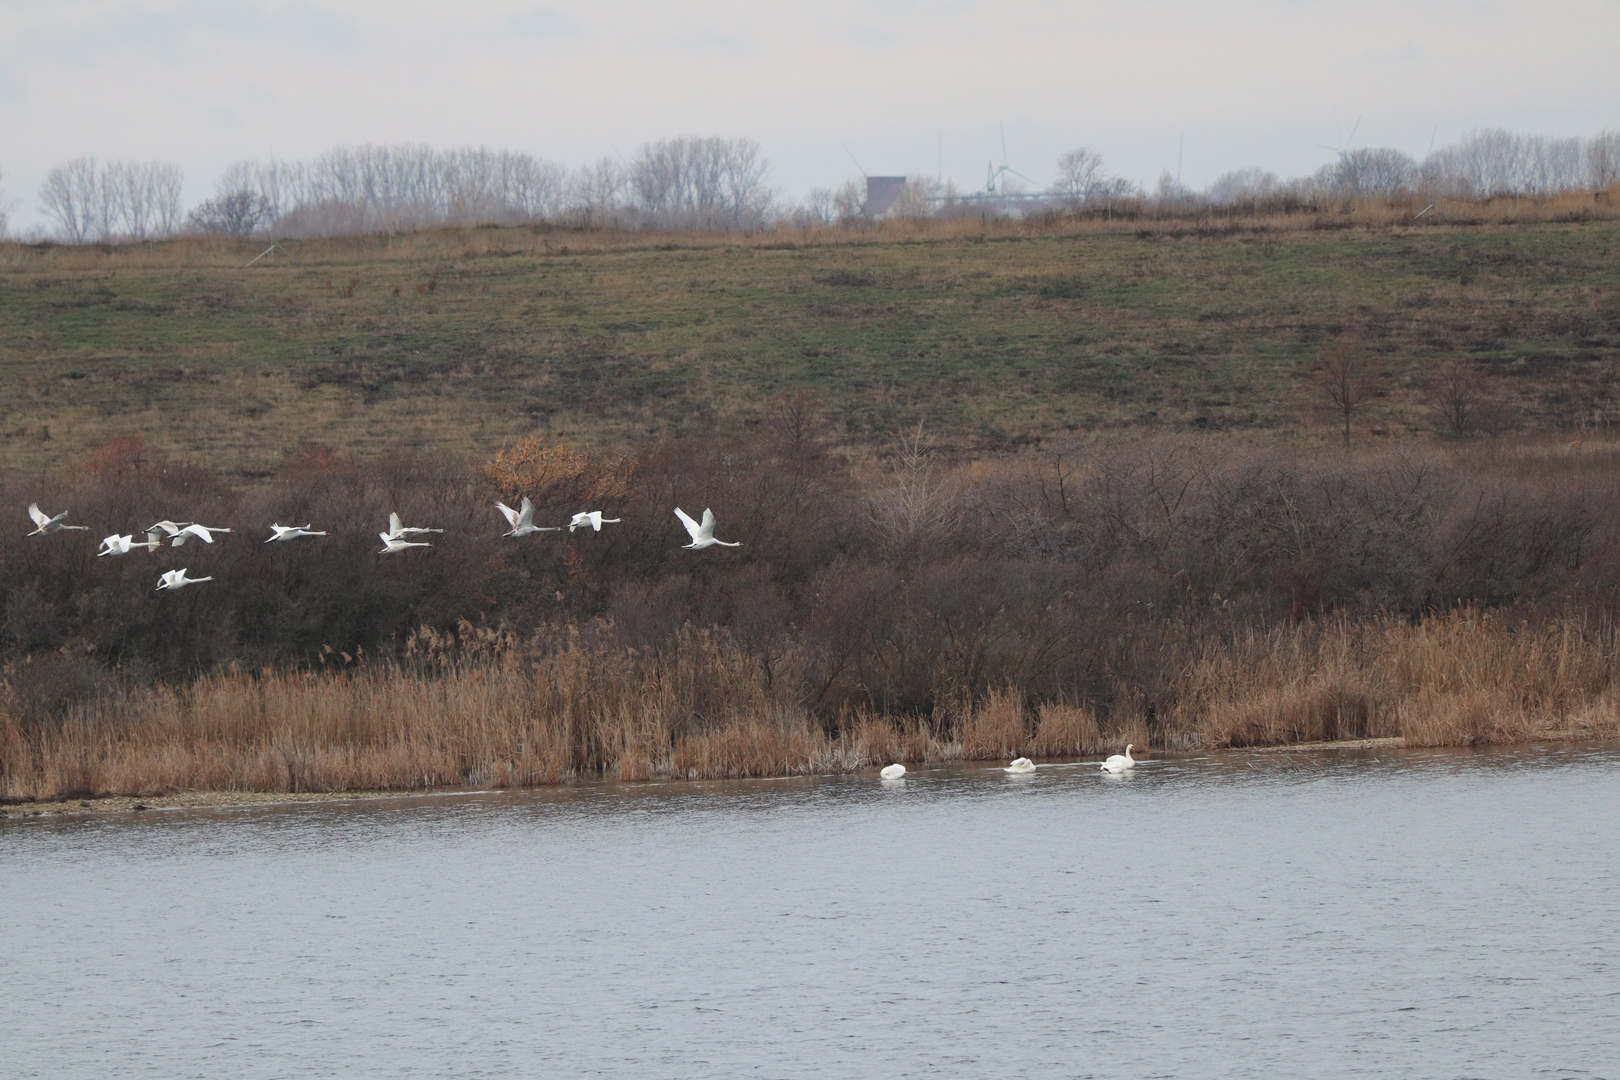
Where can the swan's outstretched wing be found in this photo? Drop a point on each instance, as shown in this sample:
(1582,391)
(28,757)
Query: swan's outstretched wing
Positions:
(195,530)
(693,528)
(40,517)
(708,523)
(395,526)
(510,514)
(526,515)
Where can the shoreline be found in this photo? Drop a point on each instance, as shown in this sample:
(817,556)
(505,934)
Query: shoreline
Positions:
(199,800)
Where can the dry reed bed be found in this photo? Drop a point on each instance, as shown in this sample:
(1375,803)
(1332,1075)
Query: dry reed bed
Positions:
(508,715)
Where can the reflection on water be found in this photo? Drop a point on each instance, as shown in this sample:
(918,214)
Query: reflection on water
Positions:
(1390,914)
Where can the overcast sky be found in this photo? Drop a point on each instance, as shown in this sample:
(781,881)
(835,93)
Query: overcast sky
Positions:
(909,87)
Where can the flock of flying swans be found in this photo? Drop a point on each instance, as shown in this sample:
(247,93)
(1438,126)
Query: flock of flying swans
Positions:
(176,533)
(521,520)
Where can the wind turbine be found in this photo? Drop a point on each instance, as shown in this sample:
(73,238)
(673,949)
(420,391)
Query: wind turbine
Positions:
(1345,149)
(1003,171)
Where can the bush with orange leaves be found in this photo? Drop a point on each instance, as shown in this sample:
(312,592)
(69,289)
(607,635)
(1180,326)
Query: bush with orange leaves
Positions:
(550,471)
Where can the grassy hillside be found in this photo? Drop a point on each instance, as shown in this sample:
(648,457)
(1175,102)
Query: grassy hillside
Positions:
(458,340)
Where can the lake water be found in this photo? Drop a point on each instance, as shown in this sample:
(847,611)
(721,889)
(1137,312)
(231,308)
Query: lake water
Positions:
(1377,914)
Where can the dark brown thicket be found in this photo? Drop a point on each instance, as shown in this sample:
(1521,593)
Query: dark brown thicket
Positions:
(1172,591)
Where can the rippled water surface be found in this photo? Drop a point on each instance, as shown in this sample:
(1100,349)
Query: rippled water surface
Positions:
(1445,914)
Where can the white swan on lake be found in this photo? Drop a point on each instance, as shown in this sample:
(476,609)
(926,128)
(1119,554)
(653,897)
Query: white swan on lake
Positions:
(1119,763)
(397,529)
(47,524)
(522,521)
(1020,767)
(290,532)
(176,579)
(123,545)
(594,519)
(393,545)
(893,772)
(702,534)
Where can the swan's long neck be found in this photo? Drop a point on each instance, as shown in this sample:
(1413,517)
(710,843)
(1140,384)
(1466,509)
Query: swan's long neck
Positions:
(1128,748)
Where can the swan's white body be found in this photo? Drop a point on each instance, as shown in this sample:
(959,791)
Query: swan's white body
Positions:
(893,772)
(393,545)
(594,519)
(290,532)
(123,545)
(44,523)
(702,533)
(179,536)
(397,529)
(522,520)
(1020,767)
(1120,763)
(176,579)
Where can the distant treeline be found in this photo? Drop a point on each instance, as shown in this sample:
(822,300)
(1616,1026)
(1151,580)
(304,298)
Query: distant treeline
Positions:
(722,183)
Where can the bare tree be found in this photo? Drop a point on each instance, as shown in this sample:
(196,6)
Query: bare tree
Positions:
(700,181)
(238,213)
(70,196)
(1458,397)
(1603,160)
(1344,383)
(1079,172)
(1242,186)
(91,201)
(595,191)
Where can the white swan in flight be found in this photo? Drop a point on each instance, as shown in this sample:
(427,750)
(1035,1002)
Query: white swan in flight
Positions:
(893,772)
(179,536)
(1118,763)
(123,545)
(48,524)
(702,535)
(594,519)
(393,545)
(290,532)
(397,529)
(522,521)
(1020,767)
(176,579)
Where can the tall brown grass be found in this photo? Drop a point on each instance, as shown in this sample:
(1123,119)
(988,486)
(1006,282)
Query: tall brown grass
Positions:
(491,711)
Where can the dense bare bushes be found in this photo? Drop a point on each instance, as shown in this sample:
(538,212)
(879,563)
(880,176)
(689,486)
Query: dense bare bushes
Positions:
(1178,591)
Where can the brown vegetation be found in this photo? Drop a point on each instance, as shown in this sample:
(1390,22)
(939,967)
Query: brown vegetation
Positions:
(485,710)
(1170,591)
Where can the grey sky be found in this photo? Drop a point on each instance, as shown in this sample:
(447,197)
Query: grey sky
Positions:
(1235,84)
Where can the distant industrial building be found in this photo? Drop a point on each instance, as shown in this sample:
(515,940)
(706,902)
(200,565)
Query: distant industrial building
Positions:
(881,193)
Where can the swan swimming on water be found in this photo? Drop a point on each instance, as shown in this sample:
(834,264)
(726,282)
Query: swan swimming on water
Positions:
(522,521)
(290,532)
(1020,767)
(893,772)
(1119,763)
(702,534)
(176,579)
(46,523)
(594,519)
